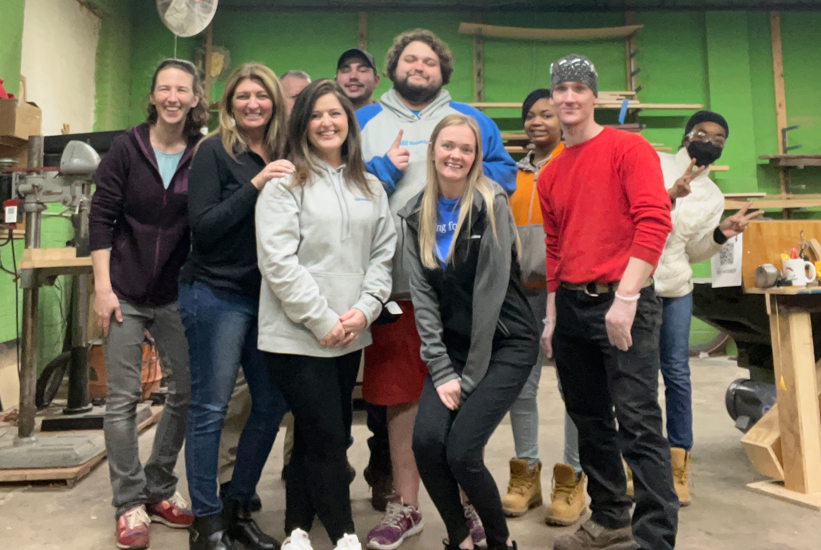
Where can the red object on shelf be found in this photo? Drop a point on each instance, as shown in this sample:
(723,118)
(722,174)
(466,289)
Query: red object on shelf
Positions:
(11,208)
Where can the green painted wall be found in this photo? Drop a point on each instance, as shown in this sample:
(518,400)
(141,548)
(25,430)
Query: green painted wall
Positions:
(719,59)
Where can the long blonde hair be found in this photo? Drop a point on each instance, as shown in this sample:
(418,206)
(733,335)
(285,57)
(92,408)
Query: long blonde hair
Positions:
(476,181)
(275,131)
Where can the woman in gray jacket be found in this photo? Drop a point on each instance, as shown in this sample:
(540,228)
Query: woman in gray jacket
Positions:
(325,241)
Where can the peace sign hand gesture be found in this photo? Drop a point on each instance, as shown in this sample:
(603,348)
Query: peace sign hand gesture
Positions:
(739,221)
(681,188)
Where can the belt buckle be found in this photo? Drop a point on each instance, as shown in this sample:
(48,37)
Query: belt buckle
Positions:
(587,290)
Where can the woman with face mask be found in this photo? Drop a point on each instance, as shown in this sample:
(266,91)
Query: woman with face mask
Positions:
(479,335)
(219,302)
(139,237)
(326,240)
(696,236)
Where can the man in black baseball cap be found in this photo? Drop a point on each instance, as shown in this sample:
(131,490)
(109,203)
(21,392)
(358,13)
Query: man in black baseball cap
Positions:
(356,75)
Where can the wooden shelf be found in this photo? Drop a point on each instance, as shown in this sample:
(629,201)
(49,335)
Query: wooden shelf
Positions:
(632,105)
(524,33)
(793,161)
(777,202)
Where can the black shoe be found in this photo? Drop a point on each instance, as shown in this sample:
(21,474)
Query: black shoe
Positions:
(208,533)
(381,486)
(242,528)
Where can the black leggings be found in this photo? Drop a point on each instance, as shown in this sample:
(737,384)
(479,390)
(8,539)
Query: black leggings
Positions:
(449,445)
(318,390)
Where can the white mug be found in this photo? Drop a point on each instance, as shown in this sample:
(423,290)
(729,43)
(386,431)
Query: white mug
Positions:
(796,270)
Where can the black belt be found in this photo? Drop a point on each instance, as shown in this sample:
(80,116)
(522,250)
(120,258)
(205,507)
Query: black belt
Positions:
(595,289)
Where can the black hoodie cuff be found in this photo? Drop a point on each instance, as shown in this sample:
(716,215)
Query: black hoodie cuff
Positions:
(719,237)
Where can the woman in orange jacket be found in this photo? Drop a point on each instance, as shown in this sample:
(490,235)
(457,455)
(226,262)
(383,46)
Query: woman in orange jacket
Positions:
(524,491)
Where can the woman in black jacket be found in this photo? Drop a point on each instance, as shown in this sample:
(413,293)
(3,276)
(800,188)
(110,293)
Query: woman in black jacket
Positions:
(139,236)
(479,336)
(219,302)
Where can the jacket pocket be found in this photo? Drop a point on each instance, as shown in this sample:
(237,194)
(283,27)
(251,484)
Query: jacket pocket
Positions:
(342,290)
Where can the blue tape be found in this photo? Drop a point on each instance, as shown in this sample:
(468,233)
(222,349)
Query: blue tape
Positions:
(623,112)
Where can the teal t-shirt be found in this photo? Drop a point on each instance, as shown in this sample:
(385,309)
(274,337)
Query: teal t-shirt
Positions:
(447,214)
(167,165)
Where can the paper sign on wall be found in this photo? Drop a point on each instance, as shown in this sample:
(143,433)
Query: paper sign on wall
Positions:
(725,266)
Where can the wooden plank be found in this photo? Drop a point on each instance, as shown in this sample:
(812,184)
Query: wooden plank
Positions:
(601,105)
(362,30)
(797,396)
(719,168)
(775,204)
(778,78)
(524,33)
(777,490)
(38,258)
(762,443)
(478,67)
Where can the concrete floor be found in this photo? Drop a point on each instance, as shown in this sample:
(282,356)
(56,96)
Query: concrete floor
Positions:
(724,514)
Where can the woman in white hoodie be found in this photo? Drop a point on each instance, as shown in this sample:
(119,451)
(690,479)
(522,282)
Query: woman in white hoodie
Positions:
(325,241)
(698,233)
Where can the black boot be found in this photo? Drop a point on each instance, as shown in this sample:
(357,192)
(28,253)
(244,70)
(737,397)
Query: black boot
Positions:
(379,476)
(254,505)
(242,527)
(208,533)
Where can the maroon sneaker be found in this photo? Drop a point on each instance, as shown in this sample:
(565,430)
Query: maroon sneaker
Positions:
(399,522)
(172,512)
(477,530)
(132,529)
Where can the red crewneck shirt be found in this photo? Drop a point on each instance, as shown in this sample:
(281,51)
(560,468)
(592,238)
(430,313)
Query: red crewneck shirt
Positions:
(603,201)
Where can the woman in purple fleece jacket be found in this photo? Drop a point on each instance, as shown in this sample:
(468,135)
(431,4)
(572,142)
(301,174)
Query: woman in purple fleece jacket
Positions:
(140,238)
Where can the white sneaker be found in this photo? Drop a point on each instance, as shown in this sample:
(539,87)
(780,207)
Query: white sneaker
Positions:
(298,540)
(348,542)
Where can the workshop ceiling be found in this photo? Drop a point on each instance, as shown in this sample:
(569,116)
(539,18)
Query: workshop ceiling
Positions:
(520,5)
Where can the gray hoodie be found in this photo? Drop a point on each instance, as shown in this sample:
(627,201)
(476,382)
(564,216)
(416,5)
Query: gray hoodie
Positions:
(323,249)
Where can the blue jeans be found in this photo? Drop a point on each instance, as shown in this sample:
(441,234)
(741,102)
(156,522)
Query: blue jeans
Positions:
(221,327)
(675,368)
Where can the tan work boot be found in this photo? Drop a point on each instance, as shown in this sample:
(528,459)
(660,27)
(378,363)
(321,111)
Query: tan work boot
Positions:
(680,460)
(525,488)
(567,497)
(628,473)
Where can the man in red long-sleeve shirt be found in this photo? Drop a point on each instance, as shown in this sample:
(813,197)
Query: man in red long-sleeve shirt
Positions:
(606,217)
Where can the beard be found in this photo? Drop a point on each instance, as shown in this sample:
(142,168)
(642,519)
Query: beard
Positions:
(416,94)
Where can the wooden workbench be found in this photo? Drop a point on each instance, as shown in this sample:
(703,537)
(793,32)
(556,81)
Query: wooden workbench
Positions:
(798,416)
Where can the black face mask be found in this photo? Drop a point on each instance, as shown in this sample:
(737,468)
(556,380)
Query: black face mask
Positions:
(703,152)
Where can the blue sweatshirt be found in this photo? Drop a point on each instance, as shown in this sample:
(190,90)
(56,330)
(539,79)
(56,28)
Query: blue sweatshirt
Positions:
(380,124)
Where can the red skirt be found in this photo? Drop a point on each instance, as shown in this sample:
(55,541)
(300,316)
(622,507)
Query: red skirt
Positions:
(394,372)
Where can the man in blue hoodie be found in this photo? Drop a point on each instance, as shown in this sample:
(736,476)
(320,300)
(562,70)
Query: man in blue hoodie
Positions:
(395,135)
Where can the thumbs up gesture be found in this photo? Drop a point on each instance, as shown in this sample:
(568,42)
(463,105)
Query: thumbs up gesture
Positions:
(397,154)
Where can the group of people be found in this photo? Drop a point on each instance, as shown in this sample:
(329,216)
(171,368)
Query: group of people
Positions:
(315,226)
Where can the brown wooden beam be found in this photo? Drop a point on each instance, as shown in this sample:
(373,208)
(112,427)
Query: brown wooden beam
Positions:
(362,31)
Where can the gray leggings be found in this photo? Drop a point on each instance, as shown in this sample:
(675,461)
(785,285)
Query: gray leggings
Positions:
(524,413)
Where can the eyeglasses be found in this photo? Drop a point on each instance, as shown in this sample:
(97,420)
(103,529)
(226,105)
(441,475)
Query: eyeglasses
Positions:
(701,135)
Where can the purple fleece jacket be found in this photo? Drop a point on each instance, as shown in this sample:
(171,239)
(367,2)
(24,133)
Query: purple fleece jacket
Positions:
(144,224)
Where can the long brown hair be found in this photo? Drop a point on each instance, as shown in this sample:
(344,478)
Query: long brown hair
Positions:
(197,117)
(476,181)
(301,152)
(232,138)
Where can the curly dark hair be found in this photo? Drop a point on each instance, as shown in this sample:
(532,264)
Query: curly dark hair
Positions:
(439,46)
(198,116)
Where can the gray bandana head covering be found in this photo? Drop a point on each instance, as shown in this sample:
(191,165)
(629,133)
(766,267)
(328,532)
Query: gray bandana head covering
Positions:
(574,68)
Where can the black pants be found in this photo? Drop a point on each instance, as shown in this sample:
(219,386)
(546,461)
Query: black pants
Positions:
(449,445)
(595,378)
(318,390)
(378,443)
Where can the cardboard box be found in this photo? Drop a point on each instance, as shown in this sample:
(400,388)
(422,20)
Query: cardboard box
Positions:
(19,117)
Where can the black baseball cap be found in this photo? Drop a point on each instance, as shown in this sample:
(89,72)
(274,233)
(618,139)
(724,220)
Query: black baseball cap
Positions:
(355,52)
